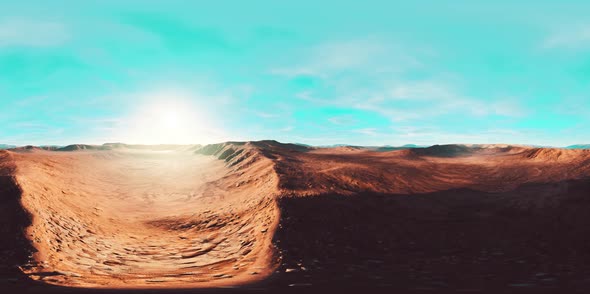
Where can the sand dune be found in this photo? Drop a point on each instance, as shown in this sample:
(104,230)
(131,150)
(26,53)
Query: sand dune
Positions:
(239,212)
(130,218)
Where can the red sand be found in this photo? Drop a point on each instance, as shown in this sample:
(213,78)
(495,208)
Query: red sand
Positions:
(140,218)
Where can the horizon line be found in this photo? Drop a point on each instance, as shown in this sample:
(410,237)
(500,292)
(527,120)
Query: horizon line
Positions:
(408,145)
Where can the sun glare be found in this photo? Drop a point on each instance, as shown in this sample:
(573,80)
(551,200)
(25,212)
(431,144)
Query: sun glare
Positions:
(168,119)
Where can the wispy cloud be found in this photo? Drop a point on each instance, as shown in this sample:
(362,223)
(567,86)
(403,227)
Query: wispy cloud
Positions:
(287,129)
(439,136)
(366,131)
(177,33)
(439,97)
(429,135)
(416,100)
(574,37)
(100,124)
(574,106)
(32,33)
(343,120)
(421,90)
(307,96)
(32,132)
(31,100)
(33,126)
(265,115)
(373,74)
(327,59)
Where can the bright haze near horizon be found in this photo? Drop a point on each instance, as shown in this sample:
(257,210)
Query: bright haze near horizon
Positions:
(314,72)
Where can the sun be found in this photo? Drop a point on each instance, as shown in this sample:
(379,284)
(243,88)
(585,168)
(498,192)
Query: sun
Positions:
(170,119)
(170,122)
(166,119)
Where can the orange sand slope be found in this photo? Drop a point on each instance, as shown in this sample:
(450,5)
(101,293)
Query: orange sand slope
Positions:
(129,218)
(233,213)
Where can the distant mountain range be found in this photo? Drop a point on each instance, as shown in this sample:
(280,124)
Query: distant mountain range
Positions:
(107,146)
(378,148)
(579,146)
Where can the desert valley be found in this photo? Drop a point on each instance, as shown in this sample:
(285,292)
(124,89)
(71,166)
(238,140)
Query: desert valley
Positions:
(268,215)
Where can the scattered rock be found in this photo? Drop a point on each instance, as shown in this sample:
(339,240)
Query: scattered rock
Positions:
(300,285)
(522,285)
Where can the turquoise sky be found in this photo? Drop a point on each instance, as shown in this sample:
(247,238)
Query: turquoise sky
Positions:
(316,72)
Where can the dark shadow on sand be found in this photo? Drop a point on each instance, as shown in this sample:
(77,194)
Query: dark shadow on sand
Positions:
(15,248)
(533,239)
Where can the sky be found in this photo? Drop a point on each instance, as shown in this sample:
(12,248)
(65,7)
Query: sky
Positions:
(314,72)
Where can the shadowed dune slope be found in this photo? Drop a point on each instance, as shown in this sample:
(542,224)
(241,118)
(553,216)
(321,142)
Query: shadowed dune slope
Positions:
(481,218)
(15,247)
(535,237)
(448,217)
